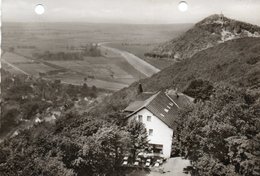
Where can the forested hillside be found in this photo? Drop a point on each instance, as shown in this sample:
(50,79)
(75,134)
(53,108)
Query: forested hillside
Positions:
(207,33)
(26,99)
(236,62)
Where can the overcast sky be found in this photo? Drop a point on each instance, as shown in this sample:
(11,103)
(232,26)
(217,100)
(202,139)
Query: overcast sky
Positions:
(128,11)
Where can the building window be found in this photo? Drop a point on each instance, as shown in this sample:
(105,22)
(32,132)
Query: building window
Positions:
(140,118)
(150,132)
(149,118)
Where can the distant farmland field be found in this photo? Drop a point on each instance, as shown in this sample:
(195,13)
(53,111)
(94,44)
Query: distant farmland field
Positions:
(30,37)
(103,68)
(29,66)
(76,71)
(110,71)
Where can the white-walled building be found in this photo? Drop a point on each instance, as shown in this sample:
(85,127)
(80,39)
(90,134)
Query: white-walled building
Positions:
(157,112)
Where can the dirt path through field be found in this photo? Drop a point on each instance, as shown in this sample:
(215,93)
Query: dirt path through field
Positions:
(14,67)
(139,64)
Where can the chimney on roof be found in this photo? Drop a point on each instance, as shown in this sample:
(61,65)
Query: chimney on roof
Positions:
(140,88)
(176,93)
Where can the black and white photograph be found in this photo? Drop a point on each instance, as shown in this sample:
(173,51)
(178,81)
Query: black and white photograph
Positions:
(130,88)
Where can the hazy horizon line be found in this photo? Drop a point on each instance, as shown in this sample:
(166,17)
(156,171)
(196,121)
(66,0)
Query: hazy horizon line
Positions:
(87,22)
(123,23)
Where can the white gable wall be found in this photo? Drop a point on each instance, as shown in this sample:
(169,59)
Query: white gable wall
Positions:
(162,134)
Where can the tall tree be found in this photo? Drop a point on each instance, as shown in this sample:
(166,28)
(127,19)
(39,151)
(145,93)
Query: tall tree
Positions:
(102,152)
(138,137)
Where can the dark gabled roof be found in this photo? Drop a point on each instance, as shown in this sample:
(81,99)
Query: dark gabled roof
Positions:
(134,106)
(163,108)
(141,99)
(144,96)
(160,104)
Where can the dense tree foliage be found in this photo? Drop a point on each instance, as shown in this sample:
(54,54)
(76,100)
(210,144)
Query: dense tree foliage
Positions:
(91,50)
(221,136)
(74,146)
(138,137)
(199,90)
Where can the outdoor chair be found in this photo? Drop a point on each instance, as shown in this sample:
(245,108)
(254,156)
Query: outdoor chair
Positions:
(157,164)
(125,163)
(147,164)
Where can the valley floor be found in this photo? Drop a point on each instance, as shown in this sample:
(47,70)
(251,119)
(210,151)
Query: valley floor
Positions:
(124,67)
